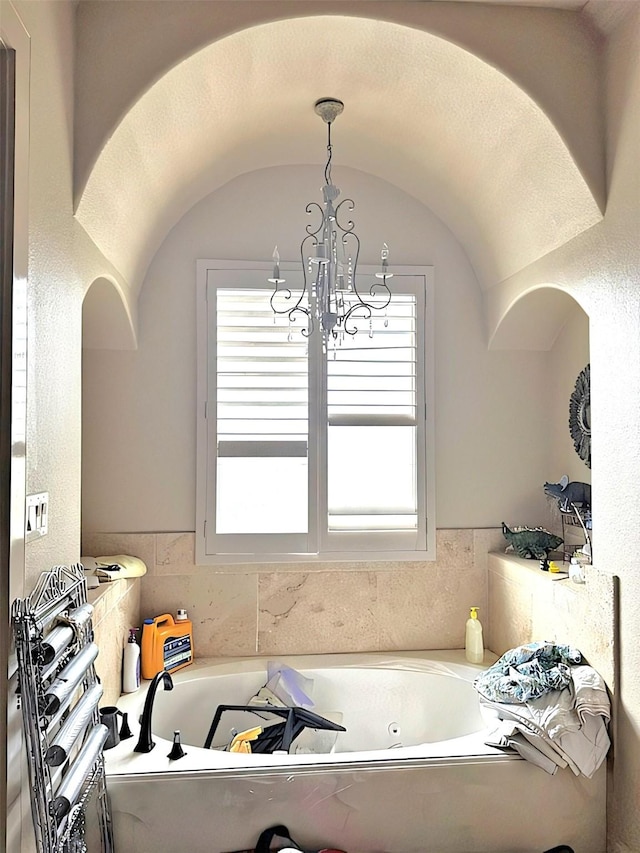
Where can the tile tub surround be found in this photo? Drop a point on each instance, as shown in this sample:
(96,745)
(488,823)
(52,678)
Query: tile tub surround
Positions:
(116,608)
(526,604)
(298,608)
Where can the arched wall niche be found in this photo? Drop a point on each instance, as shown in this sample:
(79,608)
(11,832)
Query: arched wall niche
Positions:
(534,319)
(107,321)
(550,320)
(429,117)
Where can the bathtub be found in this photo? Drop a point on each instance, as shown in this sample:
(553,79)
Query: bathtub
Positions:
(410,773)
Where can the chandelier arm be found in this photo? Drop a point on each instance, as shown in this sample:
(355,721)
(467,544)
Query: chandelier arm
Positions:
(384,286)
(359,306)
(305,284)
(309,226)
(286,294)
(350,225)
(297,309)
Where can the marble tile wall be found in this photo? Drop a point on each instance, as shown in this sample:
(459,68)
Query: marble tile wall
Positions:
(296,608)
(528,605)
(116,608)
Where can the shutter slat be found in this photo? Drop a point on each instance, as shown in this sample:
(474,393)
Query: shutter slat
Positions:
(262,378)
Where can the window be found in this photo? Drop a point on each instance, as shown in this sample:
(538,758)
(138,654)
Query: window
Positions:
(305,454)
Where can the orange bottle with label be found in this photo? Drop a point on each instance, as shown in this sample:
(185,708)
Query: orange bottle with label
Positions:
(166,644)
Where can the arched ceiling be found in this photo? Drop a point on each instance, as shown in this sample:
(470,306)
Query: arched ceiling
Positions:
(534,320)
(106,320)
(420,112)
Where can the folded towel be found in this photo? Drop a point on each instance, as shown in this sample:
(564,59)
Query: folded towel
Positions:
(563,711)
(114,568)
(519,743)
(590,693)
(553,722)
(511,735)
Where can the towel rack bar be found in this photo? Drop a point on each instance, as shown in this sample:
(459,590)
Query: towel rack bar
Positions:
(72,784)
(73,726)
(53,645)
(68,679)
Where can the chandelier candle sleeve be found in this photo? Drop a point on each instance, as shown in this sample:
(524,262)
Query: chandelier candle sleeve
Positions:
(276,269)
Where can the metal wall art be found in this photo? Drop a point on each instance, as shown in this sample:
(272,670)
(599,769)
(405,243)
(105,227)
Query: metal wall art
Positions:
(580,415)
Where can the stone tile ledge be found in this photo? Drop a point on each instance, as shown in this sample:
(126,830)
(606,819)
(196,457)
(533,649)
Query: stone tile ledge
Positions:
(173,553)
(528,605)
(108,596)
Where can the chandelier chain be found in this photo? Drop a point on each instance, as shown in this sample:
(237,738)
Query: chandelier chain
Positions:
(327,168)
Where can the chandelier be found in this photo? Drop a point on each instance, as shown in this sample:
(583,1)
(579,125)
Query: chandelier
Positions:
(330,298)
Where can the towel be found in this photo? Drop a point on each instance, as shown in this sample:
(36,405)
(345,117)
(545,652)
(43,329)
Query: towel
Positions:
(572,722)
(562,711)
(114,568)
(509,736)
(527,672)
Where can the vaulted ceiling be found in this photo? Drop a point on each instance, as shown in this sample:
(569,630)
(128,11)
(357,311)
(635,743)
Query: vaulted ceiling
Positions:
(421,112)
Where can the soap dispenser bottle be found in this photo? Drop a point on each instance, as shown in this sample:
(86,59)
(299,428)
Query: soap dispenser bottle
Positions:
(473,645)
(131,664)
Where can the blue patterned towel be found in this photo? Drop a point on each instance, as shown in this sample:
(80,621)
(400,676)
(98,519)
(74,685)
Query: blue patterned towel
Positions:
(527,672)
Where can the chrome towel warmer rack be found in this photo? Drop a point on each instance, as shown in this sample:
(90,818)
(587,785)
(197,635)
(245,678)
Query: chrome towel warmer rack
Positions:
(59,693)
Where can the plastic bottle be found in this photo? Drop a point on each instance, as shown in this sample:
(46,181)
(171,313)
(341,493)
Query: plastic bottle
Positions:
(131,664)
(473,645)
(166,644)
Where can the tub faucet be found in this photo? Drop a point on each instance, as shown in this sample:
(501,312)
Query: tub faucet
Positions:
(145,744)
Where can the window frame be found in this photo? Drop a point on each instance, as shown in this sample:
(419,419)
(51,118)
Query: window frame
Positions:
(206,461)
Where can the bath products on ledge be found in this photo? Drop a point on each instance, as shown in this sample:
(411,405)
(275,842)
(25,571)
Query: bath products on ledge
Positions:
(131,664)
(166,644)
(473,644)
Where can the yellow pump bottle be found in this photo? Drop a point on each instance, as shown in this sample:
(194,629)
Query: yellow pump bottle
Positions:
(473,645)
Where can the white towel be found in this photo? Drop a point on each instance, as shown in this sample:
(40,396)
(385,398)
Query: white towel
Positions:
(570,722)
(114,568)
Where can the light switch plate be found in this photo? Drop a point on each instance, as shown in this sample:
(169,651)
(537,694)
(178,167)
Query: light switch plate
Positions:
(36,516)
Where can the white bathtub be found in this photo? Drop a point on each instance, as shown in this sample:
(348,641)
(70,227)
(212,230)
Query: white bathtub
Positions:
(411,773)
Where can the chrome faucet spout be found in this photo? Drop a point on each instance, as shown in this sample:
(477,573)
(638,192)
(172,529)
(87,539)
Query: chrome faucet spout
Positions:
(145,743)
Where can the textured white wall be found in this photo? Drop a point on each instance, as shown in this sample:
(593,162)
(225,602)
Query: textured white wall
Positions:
(492,434)
(601,267)
(62,263)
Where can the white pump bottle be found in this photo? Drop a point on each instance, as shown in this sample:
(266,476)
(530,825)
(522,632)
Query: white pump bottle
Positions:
(131,664)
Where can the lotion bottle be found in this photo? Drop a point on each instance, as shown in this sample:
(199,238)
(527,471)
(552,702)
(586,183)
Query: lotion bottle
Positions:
(473,645)
(131,664)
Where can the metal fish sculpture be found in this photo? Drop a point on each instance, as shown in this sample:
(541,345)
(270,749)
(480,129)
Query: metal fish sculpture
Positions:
(534,543)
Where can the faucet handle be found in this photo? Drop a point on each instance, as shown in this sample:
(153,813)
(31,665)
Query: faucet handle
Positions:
(125,731)
(176,750)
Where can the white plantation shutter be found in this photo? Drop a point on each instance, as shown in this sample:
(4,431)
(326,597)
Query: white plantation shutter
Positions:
(261,424)
(305,453)
(373,433)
